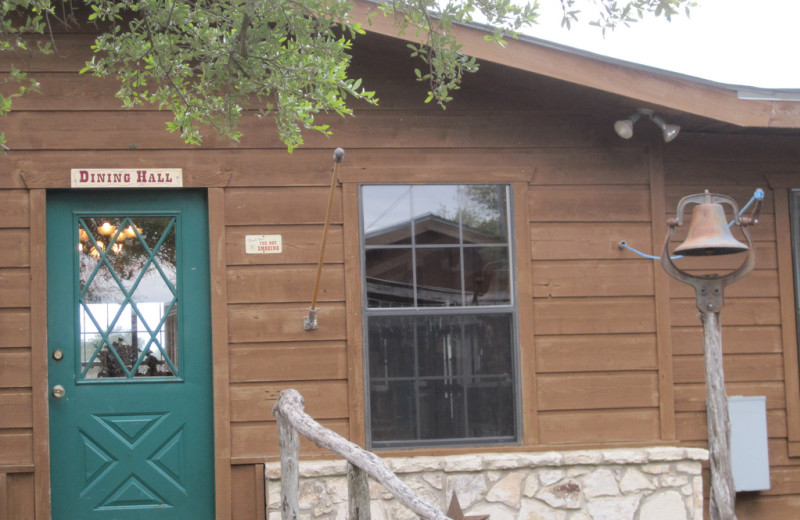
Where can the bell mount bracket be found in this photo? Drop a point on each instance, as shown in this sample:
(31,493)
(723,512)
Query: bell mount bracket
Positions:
(710,288)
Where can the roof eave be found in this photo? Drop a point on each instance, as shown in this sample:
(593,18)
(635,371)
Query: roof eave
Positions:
(646,84)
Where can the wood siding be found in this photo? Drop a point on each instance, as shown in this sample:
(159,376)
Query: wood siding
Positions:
(610,349)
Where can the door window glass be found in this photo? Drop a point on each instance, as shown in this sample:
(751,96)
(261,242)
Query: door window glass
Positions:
(128,297)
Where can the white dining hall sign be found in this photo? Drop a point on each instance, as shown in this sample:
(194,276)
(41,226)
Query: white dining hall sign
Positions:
(126,178)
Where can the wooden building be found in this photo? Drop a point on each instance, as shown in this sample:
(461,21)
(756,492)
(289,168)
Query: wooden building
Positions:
(589,345)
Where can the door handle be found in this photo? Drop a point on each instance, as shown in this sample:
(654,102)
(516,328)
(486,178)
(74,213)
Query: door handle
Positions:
(58,391)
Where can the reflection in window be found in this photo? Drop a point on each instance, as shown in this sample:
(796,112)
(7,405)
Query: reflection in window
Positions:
(439,314)
(128,297)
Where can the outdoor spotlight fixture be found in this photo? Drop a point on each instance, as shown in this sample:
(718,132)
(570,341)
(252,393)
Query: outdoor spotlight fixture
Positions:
(624,127)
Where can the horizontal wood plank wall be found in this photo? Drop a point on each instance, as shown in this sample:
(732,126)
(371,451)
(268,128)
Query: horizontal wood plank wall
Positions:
(17,498)
(755,344)
(16,403)
(593,308)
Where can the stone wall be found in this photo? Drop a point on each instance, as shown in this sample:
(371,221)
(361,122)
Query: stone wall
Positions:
(661,483)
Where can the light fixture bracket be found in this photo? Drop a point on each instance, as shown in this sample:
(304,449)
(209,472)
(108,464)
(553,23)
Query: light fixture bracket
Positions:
(624,127)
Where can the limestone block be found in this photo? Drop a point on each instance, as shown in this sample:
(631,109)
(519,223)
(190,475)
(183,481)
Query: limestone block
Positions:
(312,494)
(508,490)
(462,463)
(697,485)
(697,454)
(494,476)
(578,471)
(531,485)
(600,483)
(666,454)
(415,464)
(323,468)
(272,471)
(634,480)
(274,494)
(337,490)
(501,461)
(397,511)
(535,510)
(548,458)
(376,490)
(566,494)
(551,476)
(470,488)
(576,458)
(666,505)
(496,510)
(614,508)
(673,481)
(434,480)
(579,515)
(376,511)
(419,485)
(690,468)
(625,456)
(656,469)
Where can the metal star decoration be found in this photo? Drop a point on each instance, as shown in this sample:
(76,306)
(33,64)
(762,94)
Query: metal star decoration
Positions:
(456,513)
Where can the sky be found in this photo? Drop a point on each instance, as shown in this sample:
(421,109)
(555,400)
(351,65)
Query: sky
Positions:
(739,42)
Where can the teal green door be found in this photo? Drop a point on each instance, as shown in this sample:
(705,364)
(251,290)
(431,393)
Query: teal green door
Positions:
(129,355)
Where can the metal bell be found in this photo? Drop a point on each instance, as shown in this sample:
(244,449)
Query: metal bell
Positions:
(709,234)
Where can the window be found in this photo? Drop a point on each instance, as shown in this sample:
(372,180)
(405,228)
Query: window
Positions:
(439,314)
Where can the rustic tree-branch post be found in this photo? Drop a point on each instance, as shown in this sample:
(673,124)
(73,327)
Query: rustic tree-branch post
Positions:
(723,492)
(709,235)
(292,420)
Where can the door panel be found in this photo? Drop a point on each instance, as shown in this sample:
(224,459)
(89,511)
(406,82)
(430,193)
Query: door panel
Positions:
(129,342)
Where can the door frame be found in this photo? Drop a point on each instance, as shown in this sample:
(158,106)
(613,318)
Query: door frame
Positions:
(219,342)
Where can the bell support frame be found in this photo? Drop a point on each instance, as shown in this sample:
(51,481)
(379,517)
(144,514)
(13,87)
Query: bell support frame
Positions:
(710,289)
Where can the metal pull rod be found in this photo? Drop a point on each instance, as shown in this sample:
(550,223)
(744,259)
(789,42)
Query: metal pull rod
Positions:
(310,321)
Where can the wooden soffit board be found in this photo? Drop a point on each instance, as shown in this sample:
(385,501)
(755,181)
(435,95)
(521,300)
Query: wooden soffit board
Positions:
(649,86)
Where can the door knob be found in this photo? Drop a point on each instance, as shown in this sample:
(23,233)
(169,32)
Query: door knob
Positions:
(58,391)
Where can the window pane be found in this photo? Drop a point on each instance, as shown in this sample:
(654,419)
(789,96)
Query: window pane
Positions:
(393,408)
(457,370)
(391,347)
(436,214)
(491,407)
(389,278)
(438,277)
(487,278)
(442,409)
(488,339)
(483,209)
(387,214)
(439,340)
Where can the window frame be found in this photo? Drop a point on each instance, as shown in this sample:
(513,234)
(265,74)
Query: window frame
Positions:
(510,309)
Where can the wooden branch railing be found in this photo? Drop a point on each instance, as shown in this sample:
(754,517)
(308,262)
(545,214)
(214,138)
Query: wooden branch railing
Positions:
(292,419)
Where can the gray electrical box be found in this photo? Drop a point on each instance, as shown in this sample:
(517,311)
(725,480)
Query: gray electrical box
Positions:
(749,452)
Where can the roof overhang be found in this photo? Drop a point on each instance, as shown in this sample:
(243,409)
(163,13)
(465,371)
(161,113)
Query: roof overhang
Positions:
(741,106)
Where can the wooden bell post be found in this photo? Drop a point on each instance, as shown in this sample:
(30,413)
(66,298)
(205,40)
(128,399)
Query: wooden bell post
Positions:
(709,236)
